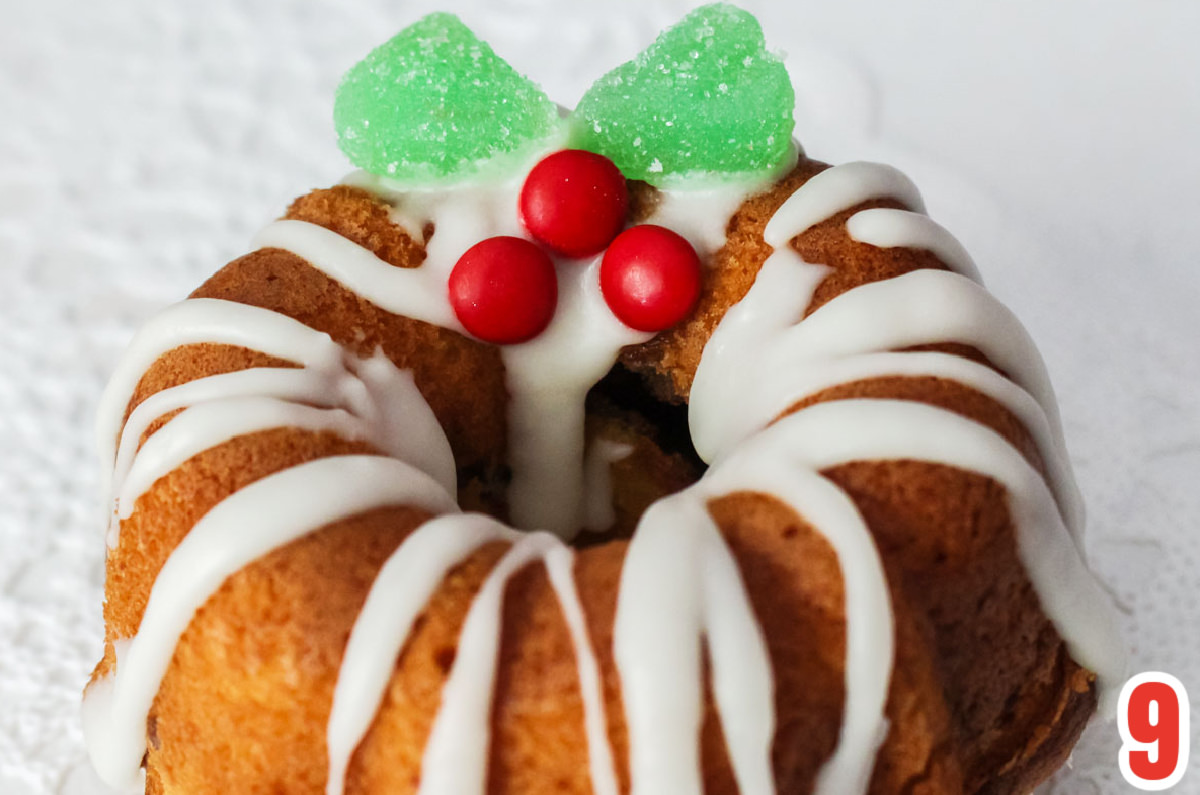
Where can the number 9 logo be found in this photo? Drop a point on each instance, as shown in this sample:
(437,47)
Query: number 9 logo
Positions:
(1154,723)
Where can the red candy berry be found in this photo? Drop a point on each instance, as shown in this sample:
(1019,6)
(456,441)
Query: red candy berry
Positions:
(574,202)
(504,290)
(650,277)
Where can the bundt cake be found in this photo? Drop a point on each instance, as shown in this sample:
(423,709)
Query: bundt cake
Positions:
(795,514)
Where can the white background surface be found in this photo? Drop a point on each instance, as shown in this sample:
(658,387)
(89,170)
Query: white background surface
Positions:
(141,144)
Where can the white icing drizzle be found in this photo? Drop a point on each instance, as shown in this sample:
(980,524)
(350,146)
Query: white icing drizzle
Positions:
(700,216)
(547,377)
(398,596)
(763,360)
(838,432)
(455,759)
(768,463)
(203,320)
(680,586)
(599,513)
(383,402)
(279,508)
(833,372)
(400,592)
(419,293)
(926,306)
(198,428)
(376,399)
(296,385)
(700,211)
(837,189)
(920,307)
(884,227)
(560,567)
(96,712)
(548,380)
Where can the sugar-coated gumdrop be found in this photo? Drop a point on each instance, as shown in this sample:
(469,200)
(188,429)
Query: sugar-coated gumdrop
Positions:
(574,202)
(706,99)
(436,104)
(650,277)
(504,290)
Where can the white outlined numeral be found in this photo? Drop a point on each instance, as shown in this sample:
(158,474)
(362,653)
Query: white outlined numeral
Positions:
(1154,722)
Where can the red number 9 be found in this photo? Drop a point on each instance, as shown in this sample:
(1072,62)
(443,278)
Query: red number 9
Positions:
(1153,720)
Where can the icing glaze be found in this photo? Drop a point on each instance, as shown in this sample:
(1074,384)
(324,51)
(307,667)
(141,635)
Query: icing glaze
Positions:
(547,377)
(455,755)
(329,377)
(202,320)
(768,464)
(284,506)
(839,432)
(751,359)
(276,398)
(546,409)
(598,512)
(419,293)
(399,594)
(680,586)
(885,227)
(701,212)
(560,568)
(835,190)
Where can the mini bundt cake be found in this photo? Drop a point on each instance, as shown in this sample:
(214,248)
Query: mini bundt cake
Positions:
(795,514)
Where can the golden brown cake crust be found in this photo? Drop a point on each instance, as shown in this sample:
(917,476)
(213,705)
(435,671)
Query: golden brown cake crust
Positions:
(984,698)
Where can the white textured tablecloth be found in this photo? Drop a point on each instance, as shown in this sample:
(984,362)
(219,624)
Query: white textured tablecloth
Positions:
(141,144)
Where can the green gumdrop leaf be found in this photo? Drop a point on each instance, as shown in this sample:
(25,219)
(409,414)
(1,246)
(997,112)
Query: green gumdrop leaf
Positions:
(436,104)
(706,99)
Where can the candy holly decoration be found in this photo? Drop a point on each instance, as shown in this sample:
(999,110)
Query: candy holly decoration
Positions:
(504,290)
(650,277)
(705,100)
(435,104)
(574,202)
